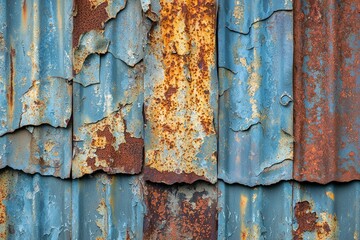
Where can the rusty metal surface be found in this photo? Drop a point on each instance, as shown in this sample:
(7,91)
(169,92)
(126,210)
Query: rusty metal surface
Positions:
(180,211)
(94,207)
(255,78)
(181,93)
(108,119)
(289,210)
(327,70)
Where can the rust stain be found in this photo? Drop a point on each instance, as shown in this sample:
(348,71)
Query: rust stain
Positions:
(180,212)
(179,108)
(88,17)
(4,187)
(326,92)
(109,151)
(11,90)
(308,221)
(24,13)
(152,174)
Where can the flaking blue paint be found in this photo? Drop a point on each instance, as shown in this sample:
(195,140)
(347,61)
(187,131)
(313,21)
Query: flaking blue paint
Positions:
(255,75)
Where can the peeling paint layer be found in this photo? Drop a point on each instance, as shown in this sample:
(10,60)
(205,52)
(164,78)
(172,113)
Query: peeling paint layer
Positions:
(35,63)
(327,70)
(180,211)
(108,119)
(255,76)
(95,207)
(181,93)
(289,210)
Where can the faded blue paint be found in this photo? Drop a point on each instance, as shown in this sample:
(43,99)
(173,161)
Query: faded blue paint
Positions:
(114,98)
(272,212)
(255,75)
(37,207)
(35,63)
(44,150)
(128,33)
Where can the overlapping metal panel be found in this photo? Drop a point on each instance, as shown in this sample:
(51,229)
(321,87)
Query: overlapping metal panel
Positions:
(35,66)
(289,210)
(181,93)
(94,207)
(255,77)
(327,83)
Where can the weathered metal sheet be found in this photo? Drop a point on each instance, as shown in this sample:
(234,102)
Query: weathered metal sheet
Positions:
(289,210)
(180,211)
(94,207)
(45,149)
(181,93)
(255,213)
(255,107)
(35,66)
(108,118)
(327,83)
(35,63)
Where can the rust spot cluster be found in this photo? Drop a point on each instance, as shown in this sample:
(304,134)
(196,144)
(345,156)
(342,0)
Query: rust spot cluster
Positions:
(180,212)
(88,16)
(325,76)
(308,222)
(179,108)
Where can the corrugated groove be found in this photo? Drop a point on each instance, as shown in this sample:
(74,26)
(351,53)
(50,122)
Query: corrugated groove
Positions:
(181,93)
(327,70)
(255,78)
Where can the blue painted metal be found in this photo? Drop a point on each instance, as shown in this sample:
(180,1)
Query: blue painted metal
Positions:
(44,150)
(35,66)
(36,61)
(289,210)
(104,113)
(255,74)
(95,207)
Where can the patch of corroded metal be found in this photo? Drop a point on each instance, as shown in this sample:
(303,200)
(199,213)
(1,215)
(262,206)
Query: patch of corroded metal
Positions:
(181,93)
(4,191)
(308,221)
(108,118)
(180,211)
(326,87)
(92,15)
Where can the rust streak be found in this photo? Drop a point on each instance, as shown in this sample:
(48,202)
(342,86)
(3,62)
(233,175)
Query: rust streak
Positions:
(11,90)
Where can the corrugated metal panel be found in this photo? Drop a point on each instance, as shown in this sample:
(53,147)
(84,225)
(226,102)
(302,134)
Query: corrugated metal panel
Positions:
(181,211)
(181,93)
(35,60)
(289,211)
(108,119)
(35,66)
(99,206)
(327,83)
(255,75)
(44,150)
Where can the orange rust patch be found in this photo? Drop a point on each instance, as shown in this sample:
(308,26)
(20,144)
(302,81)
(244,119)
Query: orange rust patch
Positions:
(308,222)
(88,18)
(4,187)
(180,212)
(179,108)
(24,13)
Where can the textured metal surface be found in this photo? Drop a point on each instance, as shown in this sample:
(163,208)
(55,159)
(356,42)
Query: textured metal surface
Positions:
(255,107)
(108,119)
(180,211)
(181,93)
(327,83)
(35,63)
(35,66)
(44,150)
(95,207)
(289,210)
